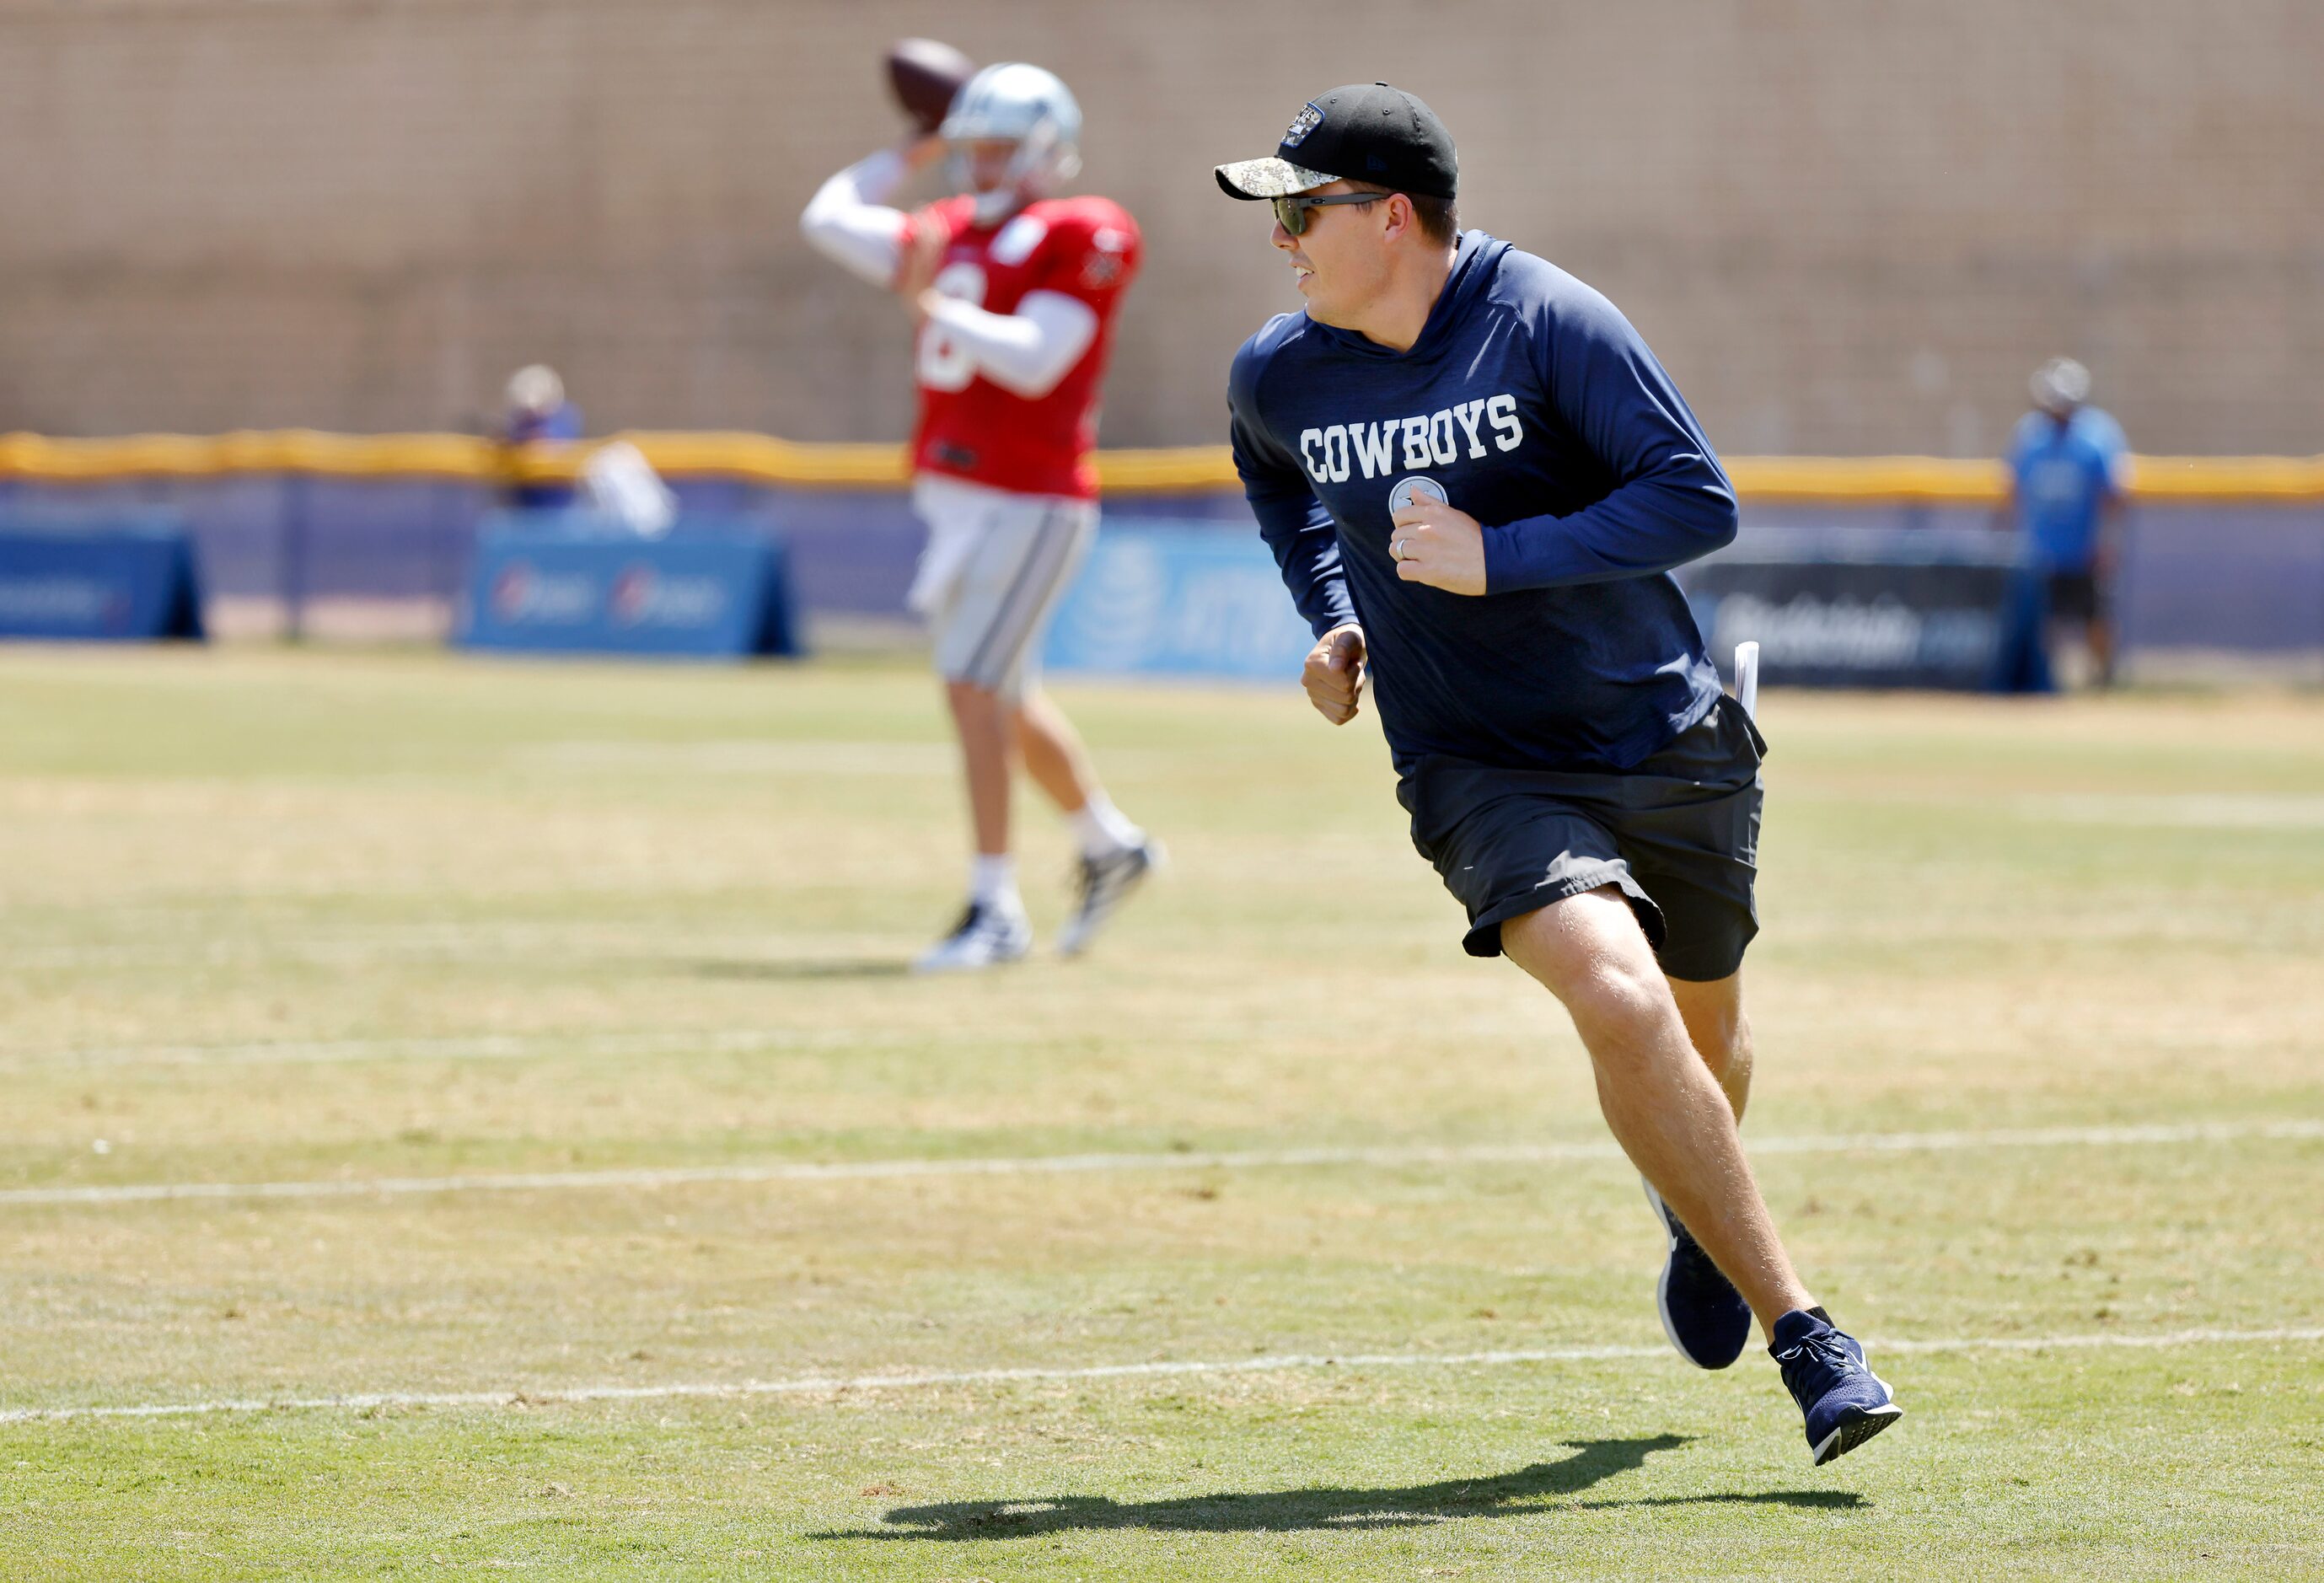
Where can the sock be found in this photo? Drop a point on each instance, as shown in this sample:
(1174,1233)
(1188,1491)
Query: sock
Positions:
(1799,1323)
(1795,1328)
(1101,828)
(992,882)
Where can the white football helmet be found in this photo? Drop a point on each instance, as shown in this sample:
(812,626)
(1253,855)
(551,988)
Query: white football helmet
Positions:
(535,388)
(2060,385)
(1026,106)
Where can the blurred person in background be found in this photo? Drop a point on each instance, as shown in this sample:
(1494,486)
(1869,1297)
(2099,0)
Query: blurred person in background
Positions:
(1014,293)
(2069,466)
(537,412)
(622,488)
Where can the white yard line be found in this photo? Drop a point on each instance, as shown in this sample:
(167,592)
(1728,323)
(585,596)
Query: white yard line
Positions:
(535,1046)
(441,941)
(1189,1160)
(737,756)
(826,1385)
(2190,811)
(457,1047)
(762,756)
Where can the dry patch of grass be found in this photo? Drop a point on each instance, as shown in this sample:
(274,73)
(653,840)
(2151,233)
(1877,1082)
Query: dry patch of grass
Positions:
(276,916)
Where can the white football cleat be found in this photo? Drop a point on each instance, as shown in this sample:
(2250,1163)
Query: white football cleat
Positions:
(986,936)
(1105,883)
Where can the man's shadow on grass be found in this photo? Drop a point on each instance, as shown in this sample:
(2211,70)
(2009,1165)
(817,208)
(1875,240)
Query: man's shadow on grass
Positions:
(823,968)
(1325,1507)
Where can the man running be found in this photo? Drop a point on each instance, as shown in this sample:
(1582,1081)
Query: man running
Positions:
(1476,479)
(1015,293)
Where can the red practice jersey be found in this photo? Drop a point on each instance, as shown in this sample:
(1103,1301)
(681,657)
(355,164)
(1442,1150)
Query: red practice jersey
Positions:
(1085,248)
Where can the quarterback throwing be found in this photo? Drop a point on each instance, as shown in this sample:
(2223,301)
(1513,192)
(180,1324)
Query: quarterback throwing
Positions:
(1014,291)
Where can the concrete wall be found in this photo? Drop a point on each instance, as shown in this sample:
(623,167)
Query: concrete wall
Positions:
(1849,226)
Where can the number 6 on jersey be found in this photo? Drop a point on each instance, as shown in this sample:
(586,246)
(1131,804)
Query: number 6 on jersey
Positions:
(943,365)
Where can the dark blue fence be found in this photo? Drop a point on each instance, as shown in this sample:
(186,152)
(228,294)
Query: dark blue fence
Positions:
(2235,577)
(571,583)
(123,577)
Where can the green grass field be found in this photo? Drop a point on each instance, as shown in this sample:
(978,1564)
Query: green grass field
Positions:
(2041,1106)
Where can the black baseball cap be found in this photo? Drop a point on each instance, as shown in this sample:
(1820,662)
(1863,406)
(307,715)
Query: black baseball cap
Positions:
(1366,132)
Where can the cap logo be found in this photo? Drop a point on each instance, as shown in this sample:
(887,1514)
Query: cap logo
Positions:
(1308,119)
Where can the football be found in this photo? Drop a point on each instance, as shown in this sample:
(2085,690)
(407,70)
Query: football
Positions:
(925,76)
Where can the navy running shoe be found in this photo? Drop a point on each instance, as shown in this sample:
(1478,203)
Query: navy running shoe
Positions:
(1846,1403)
(1705,1318)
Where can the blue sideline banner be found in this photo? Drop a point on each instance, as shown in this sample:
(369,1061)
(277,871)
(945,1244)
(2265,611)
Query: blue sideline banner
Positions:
(1932,608)
(125,579)
(707,590)
(1161,598)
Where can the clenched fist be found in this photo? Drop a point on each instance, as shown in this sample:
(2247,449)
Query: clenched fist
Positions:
(1335,673)
(1439,545)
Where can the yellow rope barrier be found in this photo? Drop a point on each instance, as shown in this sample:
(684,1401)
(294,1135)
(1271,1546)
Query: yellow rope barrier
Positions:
(759,458)
(1930,479)
(2236,478)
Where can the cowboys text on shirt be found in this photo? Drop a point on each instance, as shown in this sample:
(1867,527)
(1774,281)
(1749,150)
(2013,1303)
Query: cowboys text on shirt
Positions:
(1426,439)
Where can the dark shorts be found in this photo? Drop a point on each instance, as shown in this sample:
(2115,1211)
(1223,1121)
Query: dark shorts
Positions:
(1679,834)
(2076,596)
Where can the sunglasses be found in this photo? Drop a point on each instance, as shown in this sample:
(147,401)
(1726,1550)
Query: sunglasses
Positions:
(1291,212)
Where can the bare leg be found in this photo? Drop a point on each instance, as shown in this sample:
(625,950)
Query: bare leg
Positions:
(1053,753)
(1658,1095)
(1721,1035)
(981,719)
(2099,634)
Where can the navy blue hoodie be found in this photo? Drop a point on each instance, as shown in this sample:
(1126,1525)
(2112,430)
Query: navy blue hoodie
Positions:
(1539,411)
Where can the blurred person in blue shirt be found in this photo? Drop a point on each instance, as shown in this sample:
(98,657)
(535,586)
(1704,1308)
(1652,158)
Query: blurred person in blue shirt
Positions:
(2068,465)
(538,411)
